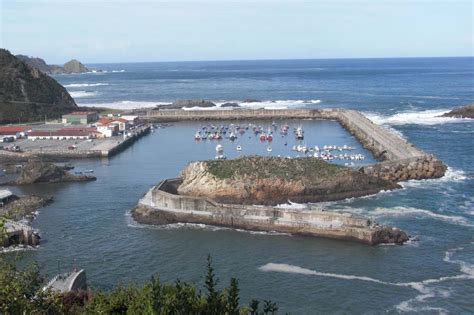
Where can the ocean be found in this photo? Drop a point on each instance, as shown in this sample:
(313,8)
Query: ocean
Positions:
(89,224)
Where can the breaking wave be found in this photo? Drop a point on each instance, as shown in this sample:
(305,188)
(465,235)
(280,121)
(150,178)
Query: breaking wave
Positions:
(276,104)
(74,85)
(124,104)
(452,175)
(425,289)
(401,211)
(426,117)
(78,94)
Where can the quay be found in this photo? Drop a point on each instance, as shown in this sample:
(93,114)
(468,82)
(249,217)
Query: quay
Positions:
(17,233)
(162,205)
(399,159)
(60,149)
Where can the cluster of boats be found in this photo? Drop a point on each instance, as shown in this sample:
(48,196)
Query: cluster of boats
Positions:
(327,152)
(264,134)
(232,132)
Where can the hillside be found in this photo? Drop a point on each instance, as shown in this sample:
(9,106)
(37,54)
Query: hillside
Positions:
(27,94)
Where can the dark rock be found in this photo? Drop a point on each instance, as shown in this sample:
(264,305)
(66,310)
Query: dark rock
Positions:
(230,105)
(27,94)
(389,235)
(249,100)
(75,66)
(461,112)
(193,103)
(44,172)
(24,207)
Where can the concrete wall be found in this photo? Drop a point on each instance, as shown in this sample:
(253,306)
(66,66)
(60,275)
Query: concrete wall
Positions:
(169,207)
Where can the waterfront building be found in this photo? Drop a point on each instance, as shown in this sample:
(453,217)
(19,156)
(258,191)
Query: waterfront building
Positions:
(14,131)
(79,118)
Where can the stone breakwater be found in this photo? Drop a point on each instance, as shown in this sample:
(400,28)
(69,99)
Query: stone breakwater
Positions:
(162,205)
(401,160)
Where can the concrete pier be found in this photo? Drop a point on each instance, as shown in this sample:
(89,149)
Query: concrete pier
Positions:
(161,205)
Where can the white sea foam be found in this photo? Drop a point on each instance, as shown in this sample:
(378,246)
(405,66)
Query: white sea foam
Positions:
(78,94)
(74,85)
(124,104)
(292,205)
(426,117)
(18,248)
(451,175)
(423,287)
(402,211)
(276,104)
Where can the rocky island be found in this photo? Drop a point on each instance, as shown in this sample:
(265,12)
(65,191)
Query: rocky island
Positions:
(44,172)
(244,193)
(275,180)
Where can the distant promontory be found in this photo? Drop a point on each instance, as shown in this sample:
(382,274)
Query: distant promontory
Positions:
(72,66)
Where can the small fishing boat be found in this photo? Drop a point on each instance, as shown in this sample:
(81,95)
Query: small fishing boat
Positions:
(269,138)
(263,137)
(197,136)
(89,171)
(299,133)
(269,149)
(238,148)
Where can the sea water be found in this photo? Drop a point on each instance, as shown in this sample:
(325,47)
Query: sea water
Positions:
(89,224)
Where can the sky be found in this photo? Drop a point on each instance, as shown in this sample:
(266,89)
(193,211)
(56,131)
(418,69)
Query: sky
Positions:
(140,31)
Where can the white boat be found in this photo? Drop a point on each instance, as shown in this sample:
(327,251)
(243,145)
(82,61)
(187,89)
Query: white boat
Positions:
(269,149)
(219,148)
(239,148)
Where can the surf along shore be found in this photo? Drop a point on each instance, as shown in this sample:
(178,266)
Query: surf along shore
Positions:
(399,160)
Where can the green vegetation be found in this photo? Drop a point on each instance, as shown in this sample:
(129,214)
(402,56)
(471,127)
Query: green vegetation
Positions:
(305,169)
(101,110)
(20,293)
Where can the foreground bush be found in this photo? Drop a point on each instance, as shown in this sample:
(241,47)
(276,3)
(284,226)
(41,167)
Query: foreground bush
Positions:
(20,293)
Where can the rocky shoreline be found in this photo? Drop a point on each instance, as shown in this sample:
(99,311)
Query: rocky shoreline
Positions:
(466,111)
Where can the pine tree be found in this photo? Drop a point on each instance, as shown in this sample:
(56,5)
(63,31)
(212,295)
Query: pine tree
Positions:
(233,297)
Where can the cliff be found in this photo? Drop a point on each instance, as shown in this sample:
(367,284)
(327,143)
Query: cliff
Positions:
(27,94)
(72,66)
(273,180)
(461,112)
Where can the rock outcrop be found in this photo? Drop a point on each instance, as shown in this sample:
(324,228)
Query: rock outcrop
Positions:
(24,207)
(27,94)
(273,180)
(230,104)
(72,66)
(75,66)
(193,103)
(461,112)
(44,172)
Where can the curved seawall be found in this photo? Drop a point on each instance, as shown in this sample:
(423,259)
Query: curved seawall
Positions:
(161,205)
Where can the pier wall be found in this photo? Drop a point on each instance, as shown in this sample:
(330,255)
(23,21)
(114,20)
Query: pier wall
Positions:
(162,207)
(19,234)
(401,160)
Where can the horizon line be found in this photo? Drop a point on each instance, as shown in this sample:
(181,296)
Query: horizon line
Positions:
(277,59)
